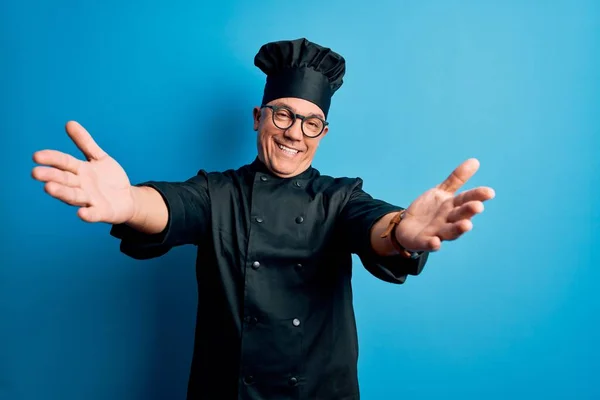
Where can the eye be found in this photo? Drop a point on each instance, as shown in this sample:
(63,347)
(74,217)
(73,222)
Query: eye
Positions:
(314,123)
(282,114)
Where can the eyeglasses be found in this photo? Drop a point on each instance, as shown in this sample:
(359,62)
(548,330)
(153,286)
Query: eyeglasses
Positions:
(284,118)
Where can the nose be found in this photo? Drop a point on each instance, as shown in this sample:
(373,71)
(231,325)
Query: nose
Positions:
(294,132)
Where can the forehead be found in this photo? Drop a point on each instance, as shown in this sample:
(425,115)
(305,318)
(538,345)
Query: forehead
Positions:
(299,106)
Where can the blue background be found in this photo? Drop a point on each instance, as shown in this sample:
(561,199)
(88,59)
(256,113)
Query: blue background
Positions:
(508,311)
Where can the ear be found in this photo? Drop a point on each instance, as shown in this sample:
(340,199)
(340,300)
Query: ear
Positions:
(256,114)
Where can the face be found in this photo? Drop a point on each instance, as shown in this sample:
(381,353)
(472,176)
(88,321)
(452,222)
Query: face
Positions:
(289,152)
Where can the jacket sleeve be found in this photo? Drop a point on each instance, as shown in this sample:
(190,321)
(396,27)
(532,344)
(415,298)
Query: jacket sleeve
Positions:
(188,204)
(357,217)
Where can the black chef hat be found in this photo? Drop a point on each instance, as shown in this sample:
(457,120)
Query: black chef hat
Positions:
(302,69)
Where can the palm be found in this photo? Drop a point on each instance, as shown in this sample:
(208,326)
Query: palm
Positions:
(99,186)
(439,214)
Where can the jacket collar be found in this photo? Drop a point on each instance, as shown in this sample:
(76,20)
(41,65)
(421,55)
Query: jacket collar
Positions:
(258,166)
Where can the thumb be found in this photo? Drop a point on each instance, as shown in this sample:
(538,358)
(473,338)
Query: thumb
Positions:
(460,175)
(84,141)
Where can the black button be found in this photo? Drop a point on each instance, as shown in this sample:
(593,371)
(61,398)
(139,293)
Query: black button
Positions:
(299,220)
(255,264)
(258,219)
(249,379)
(298,267)
(251,320)
(293,381)
(297,184)
(263,178)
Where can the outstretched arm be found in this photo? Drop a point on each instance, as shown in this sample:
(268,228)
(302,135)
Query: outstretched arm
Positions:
(151,214)
(98,186)
(149,218)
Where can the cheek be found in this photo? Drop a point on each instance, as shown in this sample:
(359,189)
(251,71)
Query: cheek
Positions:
(264,135)
(312,147)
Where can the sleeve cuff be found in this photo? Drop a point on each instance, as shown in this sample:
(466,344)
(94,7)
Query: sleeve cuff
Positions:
(392,269)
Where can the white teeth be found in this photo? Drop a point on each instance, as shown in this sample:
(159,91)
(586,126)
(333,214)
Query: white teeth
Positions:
(287,149)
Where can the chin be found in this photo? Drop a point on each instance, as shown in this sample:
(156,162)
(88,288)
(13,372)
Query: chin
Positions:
(284,167)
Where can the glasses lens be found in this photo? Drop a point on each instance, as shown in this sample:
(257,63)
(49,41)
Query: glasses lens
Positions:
(312,126)
(283,118)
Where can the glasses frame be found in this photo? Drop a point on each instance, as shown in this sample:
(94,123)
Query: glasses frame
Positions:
(295,116)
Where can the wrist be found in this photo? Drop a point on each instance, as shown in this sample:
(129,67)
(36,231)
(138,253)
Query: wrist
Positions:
(149,210)
(399,236)
(136,218)
(394,231)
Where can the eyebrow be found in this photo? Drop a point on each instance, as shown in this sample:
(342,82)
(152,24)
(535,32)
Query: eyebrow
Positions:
(281,104)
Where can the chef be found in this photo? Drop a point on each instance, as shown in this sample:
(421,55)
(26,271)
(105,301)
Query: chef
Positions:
(274,237)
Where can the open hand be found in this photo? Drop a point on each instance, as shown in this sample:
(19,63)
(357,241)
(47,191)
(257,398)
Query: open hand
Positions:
(440,214)
(99,186)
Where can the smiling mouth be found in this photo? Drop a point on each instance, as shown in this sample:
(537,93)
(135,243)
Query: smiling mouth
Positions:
(287,150)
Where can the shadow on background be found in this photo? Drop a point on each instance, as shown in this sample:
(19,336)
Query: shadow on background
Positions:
(223,136)
(82,320)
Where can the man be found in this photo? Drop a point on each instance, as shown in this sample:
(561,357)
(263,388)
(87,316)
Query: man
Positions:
(275,237)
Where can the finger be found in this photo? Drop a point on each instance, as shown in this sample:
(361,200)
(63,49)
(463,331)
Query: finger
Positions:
(452,231)
(69,195)
(422,242)
(84,141)
(89,214)
(49,174)
(466,211)
(477,194)
(434,244)
(460,175)
(57,159)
